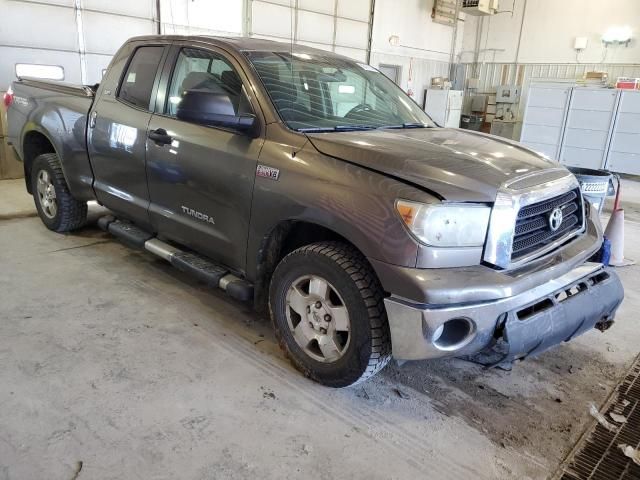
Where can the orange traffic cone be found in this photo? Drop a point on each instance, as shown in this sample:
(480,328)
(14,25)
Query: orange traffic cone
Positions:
(615,233)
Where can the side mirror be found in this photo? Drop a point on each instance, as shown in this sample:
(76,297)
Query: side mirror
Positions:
(215,109)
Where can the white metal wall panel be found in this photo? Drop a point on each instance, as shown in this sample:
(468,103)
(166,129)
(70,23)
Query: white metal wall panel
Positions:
(341,26)
(107,25)
(350,33)
(174,13)
(544,118)
(624,150)
(30,25)
(35,42)
(315,27)
(12,55)
(96,64)
(355,9)
(322,6)
(587,128)
(270,19)
(144,9)
(51,35)
(355,53)
(105,33)
(582,157)
(319,46)
(207,17)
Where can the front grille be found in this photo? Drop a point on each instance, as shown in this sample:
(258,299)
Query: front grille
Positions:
(533,231)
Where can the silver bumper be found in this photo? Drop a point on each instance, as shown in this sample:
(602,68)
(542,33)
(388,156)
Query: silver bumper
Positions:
(530,321)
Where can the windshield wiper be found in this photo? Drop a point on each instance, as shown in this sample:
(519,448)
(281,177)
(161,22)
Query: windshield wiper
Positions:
(408,125)
(346,128)
(337,128)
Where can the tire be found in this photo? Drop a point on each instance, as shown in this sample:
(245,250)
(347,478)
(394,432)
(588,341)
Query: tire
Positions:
(333,357)
(57,208)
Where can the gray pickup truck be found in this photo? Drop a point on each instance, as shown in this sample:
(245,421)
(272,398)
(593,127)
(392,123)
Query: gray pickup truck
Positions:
(311,185)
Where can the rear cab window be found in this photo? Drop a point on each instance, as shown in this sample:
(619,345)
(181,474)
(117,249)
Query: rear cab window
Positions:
(137,83)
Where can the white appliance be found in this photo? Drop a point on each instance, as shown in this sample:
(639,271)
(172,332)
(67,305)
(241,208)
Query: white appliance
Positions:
(444,106)
(480,7)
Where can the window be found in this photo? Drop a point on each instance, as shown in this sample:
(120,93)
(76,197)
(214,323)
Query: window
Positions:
(202,70)
(50,72)
(137,82)
(325,92)
(392,72)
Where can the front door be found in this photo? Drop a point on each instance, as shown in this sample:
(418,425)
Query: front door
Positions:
(201,177)
(118,132)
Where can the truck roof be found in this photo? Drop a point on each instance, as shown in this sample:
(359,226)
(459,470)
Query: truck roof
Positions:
(241,43)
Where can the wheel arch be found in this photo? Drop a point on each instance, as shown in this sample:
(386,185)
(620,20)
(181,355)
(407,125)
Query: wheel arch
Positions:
(285,237)
(34,143)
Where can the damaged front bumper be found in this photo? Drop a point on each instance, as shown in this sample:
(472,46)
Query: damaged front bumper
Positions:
(526,323)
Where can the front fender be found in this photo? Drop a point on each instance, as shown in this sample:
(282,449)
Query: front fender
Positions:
(354,202)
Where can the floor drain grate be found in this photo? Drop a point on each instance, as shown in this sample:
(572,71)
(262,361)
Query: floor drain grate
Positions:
(600,457)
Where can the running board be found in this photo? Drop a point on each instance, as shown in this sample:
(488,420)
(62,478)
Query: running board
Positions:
(204,270)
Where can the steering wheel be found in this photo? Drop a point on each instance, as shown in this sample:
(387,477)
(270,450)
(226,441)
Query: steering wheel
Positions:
(361,107)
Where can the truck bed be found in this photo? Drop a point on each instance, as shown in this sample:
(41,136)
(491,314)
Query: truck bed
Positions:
(56,113)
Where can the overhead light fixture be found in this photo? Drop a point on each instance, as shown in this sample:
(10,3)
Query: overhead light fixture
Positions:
(394,40)
(617,35)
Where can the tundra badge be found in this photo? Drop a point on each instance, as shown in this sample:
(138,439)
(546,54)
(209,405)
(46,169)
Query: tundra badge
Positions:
(195,214)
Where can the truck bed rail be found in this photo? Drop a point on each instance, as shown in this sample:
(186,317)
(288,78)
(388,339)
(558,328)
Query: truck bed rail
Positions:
(62,87)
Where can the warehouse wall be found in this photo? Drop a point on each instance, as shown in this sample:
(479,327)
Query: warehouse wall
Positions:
(78,35)
(202,17)
(341,26)
(424,45)
(549,31)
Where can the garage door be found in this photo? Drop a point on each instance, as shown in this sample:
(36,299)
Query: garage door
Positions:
(70,40)
(341,26)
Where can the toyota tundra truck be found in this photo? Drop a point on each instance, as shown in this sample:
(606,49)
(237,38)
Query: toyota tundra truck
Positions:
(312,186)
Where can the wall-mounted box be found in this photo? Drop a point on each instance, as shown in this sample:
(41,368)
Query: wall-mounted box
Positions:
(580,43)
(507,94)
(480,7)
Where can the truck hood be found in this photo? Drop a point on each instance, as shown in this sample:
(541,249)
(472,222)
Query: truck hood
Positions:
(458,165)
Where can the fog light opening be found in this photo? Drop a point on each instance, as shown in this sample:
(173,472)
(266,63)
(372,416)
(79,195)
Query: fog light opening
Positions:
(453,334)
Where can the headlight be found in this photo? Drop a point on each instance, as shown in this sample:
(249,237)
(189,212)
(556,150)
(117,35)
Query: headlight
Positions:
(446,225)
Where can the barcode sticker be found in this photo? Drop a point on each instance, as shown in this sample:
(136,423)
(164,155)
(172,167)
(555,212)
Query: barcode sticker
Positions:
(267,172)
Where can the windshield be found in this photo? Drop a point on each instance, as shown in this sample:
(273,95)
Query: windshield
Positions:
(323,92)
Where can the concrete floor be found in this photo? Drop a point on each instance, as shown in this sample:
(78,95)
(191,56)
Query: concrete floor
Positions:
(118,366)
(15,202)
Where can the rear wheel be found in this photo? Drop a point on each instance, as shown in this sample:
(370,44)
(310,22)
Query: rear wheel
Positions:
(328,312)
(57,208)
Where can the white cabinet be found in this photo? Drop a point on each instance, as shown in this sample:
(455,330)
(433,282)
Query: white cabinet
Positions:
(544,118)
(584,127)
(624,150)
(444,106)
(588,126)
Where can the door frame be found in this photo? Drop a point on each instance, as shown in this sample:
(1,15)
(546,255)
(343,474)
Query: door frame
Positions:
(170,62)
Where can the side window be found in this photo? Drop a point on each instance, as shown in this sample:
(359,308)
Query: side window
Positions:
(137,82)
(198,69)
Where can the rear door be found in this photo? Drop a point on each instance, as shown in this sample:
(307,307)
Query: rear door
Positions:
(117,131)
(201,177)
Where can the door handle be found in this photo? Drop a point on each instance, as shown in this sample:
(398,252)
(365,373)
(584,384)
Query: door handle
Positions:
(160,136)
(92,121)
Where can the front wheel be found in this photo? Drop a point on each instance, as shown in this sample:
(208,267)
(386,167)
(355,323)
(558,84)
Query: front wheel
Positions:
(328,312)
(57,208)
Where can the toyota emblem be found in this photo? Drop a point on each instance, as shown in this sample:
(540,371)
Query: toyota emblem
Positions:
(555,219)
